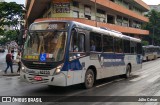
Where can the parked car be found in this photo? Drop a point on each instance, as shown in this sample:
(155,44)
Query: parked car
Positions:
(2,49)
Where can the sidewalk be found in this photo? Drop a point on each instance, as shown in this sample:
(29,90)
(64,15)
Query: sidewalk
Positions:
(9,72)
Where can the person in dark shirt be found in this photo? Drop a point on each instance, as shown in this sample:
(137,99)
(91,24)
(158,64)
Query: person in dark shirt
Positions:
(9,62)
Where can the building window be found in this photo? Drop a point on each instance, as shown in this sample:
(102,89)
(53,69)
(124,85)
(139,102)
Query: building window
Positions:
(75,14)
(112,0)
(101,15)
(110,19)
(98,19)
(87,12)
(76,4)
(88,17)
(119,20)
(125,22)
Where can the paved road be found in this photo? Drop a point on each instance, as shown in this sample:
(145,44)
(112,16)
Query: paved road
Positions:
(144,82)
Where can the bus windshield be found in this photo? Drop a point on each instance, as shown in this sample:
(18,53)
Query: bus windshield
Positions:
(45,46)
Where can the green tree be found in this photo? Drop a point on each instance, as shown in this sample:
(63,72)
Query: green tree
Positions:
(154,27)
(145,43)
(9,36)
(11,14)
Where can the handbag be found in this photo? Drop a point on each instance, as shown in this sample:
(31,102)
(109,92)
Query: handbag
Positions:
(17,59)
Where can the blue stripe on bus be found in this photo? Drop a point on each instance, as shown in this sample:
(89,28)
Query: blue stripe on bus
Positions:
(139,60)
(73,65)
(111,59)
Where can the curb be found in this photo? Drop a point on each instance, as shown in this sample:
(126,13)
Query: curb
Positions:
(9,74)
(9,71)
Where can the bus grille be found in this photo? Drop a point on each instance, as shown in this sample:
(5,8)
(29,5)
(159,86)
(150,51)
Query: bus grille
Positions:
(38,66)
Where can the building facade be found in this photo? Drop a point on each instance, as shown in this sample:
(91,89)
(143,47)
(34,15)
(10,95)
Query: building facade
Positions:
(155,7)
(125,16)
(1,0)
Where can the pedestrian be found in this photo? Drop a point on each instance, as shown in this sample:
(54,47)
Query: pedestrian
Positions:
(9,62)
(18,60)
(12,52)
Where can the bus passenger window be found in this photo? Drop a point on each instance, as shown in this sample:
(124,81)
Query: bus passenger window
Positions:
(73,42)
(126,44)
(77,45)
(118,45)
(107,43)
(139,48)
(95,42)
(133,47)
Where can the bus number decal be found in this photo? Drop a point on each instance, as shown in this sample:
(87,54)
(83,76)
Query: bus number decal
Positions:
(52,26)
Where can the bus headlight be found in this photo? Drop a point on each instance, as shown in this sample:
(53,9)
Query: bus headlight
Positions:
(23,69)
(58,69)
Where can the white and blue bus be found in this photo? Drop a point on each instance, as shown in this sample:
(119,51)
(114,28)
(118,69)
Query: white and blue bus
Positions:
(151,52)
(64,53)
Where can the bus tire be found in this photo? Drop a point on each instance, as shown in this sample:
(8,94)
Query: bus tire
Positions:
(89,79)
(128,71)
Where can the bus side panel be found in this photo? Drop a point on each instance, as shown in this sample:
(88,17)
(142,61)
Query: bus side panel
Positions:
(120,65)
(77,69)
(59,80)
(108,64)
(91,61)
(134,60)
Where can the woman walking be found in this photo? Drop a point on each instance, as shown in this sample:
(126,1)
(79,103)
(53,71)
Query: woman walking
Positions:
(18,59)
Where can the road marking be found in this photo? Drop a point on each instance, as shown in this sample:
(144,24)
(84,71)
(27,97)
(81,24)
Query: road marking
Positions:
(108,83)
(153,79)
(150,70)
(103,84)
(141,77)
(146,71)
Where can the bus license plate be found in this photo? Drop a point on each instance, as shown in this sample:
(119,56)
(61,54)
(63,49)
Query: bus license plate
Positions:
(38,78)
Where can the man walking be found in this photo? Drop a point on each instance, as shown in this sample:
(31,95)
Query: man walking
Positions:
(9,62)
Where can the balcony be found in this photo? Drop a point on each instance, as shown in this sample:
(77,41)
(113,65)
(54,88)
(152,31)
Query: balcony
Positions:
(117,9)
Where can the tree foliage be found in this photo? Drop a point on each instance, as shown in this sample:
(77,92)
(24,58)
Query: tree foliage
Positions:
(12,15)
(154,27)
(9,36)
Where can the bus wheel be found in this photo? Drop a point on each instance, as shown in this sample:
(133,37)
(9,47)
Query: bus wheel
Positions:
(128,71)
(89,79)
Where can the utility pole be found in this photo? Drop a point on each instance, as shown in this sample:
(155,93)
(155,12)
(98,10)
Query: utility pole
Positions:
(95,5)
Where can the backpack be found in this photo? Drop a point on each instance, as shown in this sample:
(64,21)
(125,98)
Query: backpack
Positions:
(8,58)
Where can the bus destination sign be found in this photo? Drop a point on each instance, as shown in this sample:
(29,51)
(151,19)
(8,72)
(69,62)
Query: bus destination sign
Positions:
(49,26)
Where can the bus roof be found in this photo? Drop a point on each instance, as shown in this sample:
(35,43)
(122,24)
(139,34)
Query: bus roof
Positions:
(96,29)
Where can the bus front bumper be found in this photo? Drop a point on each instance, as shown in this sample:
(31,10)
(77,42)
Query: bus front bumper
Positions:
(56,80)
